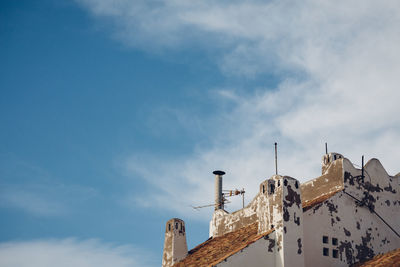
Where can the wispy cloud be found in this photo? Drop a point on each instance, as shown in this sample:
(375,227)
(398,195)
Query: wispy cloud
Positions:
(35,191)
(339,62)
(71,252)
(30,202)
(43,199)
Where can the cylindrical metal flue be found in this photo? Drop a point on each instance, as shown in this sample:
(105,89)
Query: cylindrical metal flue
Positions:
(219,202)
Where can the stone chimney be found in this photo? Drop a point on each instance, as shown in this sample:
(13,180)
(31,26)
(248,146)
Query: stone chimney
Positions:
(289,224)
(175,246)
(219,201)
(284,213)
(327,159)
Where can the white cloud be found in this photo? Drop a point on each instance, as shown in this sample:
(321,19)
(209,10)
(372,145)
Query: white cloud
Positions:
(341,63)
(35,191)
(71,252)
(44,199)
(30,202)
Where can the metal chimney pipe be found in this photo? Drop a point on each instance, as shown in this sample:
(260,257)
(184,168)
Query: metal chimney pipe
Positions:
(218,190)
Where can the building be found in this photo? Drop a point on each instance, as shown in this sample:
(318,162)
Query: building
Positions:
(345,216)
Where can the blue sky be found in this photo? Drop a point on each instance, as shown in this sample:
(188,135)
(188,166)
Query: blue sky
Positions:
(114,114)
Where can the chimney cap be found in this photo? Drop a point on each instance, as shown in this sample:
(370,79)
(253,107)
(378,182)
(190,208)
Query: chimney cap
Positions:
(218,172)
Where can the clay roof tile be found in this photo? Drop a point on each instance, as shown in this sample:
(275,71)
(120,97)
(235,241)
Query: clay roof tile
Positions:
(391,259)
(215,250)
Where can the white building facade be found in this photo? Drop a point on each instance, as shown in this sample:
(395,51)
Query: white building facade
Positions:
(345,216)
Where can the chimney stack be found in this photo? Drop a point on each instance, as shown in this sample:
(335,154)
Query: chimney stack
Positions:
(175,247)
(219,202)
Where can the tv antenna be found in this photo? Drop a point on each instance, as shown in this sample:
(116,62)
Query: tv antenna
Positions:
(225,195)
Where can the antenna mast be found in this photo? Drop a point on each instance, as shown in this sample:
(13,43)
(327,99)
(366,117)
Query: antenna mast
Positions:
(276,159)
(243,197)
(220,194)
(225,195)
(362,168)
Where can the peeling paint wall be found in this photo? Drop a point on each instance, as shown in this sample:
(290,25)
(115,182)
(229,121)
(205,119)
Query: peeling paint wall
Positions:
(337,227)
(262,207)
(348,232)
(330,181)
(277,206)
(175,246)
(258,254)
(288,224)
(223,222)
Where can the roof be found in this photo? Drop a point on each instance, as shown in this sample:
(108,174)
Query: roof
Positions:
(216,249)
(391,259)
(313,202)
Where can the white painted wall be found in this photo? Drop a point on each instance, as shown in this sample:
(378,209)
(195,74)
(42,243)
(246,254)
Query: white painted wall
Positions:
(175,246)
(359,232)
(258,254)
(291,226)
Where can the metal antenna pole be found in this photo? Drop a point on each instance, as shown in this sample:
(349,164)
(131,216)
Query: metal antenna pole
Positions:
(326,148)
(276,159)
(243,198)
(362,168)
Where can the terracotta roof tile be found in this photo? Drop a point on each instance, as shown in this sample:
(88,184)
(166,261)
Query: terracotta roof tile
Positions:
(391,259)
(215,250)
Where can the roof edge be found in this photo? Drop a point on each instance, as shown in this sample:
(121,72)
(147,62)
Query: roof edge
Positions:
(258,237)
(320,199)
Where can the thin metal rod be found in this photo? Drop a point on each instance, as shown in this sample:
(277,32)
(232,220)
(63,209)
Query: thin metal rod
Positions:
(362,168)
(358,201)
(373,210)
(243,198)
(386,223)
(276,159)
(204,206)
(326,148)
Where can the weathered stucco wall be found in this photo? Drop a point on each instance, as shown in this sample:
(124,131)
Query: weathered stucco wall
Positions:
(352,232)
(330,181)
(290,225)
(337,227)
(223,222)
(258,254)
(261,208)
(269,210)
(277,207)
(175,246)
